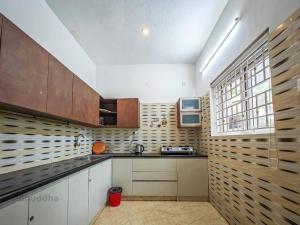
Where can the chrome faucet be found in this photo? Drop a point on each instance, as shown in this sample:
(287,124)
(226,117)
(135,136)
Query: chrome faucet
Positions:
(77,143)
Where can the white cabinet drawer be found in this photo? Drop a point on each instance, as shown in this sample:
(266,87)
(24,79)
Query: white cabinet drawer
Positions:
(154,165)
(154,188)
(158,176)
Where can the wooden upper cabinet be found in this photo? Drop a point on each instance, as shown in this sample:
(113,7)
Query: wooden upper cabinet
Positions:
(23,69)
(60,89)
(85,103)
(0,28)
(128,113)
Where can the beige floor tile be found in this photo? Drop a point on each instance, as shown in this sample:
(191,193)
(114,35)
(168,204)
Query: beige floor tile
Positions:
(160,213)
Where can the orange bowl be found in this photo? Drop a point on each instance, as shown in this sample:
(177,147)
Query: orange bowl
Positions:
(98,147)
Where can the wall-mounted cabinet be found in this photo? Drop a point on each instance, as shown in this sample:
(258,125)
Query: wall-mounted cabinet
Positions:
(108,112)
(190,104)
(33,81)
(60,89)
(189,112)
(120,113)
(85,103)
(128,115)
(23,69)
(0,28)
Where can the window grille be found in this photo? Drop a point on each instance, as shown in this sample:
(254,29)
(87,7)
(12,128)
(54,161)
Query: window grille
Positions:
(242,95)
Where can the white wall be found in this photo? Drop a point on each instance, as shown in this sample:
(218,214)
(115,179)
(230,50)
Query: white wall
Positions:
(156,83)
(256,16)
(37,20)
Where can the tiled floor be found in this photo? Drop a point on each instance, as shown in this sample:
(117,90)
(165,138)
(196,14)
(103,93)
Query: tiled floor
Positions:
(160,213)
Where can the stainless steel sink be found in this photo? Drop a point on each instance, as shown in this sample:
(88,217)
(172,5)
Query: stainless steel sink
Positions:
(89,157)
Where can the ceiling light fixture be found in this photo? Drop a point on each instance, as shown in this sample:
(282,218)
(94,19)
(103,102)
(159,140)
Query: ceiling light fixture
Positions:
(224,38)
(145,31)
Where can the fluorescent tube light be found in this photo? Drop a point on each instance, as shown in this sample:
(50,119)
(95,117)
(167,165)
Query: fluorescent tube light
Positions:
(230,29)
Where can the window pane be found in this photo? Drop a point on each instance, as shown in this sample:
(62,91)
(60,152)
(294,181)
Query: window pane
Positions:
(261,100)
(263,87)
(243,96)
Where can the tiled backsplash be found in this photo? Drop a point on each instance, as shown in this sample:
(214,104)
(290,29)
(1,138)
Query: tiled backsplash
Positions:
(158,128)
(26,141)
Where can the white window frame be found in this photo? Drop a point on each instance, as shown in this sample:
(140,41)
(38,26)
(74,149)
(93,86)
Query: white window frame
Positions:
(230,74)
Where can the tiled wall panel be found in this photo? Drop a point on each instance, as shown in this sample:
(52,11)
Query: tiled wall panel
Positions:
(255,179)
(205,132)
(158,128)
(26,141)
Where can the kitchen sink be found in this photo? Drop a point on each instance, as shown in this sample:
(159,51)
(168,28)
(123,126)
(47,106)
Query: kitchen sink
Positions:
(89,157)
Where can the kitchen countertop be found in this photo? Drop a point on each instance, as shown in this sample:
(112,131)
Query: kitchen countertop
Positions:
(153,155)
(20,182)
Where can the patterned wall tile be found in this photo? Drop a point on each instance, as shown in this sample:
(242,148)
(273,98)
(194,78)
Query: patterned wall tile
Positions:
(158,128)
(26,141)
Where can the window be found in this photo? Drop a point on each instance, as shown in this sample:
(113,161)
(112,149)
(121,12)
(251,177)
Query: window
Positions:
(241,95)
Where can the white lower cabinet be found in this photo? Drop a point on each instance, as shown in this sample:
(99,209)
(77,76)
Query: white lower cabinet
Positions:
(50,206)
(160,164)
(99,183)
(78,207)
(192,177)
(77,199)
(122,175)
(154,177)
(155,188)
(73,201)
(182,177)
(15,213)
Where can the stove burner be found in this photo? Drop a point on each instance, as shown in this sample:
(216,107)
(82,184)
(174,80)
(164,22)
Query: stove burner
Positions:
(176,150)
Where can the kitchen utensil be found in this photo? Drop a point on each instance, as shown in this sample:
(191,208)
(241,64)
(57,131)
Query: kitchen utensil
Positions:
(177,150)
(139,149)
(98,147)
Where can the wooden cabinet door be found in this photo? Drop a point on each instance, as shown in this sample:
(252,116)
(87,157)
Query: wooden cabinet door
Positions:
(23,69)
(78,198)
(128,113)
(50,206)
(0,28)
(85,103)
(60,89)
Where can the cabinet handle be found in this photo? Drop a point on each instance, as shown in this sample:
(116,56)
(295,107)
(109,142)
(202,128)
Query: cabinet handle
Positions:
(31,218)
(90,180)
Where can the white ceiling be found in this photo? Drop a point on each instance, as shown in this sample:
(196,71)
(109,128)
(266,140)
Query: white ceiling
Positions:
(109,30)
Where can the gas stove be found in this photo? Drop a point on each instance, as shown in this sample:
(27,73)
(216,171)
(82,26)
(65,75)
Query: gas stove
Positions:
(176,150)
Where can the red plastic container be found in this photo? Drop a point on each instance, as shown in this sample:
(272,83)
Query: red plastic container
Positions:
(115,195)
